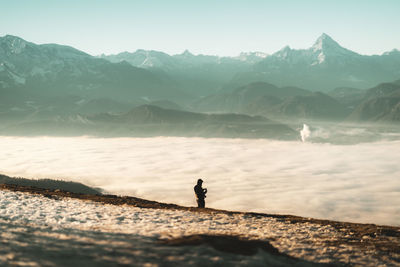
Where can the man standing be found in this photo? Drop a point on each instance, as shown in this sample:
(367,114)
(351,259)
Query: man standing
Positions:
(200,194)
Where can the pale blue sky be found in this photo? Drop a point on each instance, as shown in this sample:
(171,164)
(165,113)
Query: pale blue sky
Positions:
(218,27)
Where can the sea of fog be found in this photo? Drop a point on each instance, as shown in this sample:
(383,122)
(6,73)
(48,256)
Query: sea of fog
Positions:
(358,183)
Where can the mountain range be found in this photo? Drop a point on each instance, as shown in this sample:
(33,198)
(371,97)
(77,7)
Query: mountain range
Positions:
(198,74)
(50,70)
(322,67)
(380,103)
(149,120)
(52,84)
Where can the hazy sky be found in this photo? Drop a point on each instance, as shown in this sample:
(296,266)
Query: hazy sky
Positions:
(221,27)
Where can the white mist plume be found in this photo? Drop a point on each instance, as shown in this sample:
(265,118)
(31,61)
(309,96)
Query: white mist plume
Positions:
(305,132)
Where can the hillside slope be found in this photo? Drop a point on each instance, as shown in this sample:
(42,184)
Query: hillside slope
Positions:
(380,104)
(69,231)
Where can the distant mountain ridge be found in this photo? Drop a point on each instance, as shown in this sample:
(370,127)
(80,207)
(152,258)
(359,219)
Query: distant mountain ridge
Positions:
(148,121)
(380,104)
(200,74)
(150,114)
(323,67)
(271,101)
(40,81)
(50,82)
(157,59)
(51,69)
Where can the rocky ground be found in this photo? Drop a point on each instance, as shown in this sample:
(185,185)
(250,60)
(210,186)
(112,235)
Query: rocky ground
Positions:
(47,227)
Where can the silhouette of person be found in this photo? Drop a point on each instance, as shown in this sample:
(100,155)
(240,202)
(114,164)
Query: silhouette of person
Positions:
(200,194)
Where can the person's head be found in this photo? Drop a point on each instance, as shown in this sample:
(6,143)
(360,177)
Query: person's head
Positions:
(199,182)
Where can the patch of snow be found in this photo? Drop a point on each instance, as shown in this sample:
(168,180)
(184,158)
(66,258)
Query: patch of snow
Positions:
(147,63)
(76,222)
(251,56)
(321,58)
(261,54)
(317,46)
(17,45)
(322,42)
(283,53)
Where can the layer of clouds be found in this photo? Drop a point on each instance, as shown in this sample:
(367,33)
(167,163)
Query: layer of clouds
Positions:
(358,183)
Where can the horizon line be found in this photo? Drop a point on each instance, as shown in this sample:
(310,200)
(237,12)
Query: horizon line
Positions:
(187,50)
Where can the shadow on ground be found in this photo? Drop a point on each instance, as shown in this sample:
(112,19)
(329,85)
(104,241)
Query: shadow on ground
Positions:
(26,245)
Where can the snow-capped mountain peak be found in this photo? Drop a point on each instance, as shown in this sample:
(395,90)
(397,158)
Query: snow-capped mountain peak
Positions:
(325,42)
(325,47)
(283,53)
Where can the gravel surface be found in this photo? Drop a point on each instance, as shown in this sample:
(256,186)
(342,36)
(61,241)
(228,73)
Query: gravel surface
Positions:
(52,228)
